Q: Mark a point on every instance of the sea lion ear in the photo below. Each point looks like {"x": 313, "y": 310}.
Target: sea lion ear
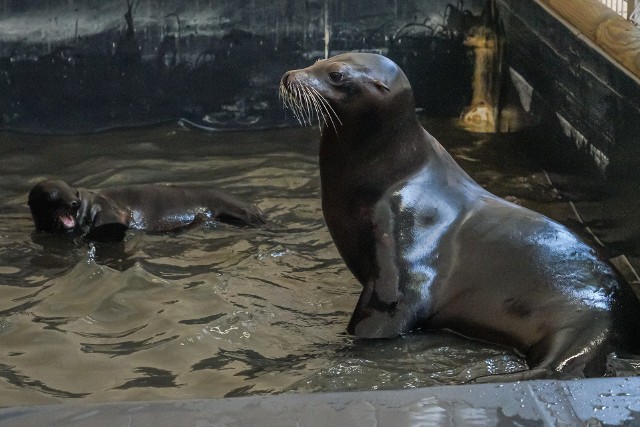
{"x": 381, "y": 85}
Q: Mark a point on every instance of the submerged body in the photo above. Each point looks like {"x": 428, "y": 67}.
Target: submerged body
{"x": 57, "y": 207}
{"x": 433, "y": 249}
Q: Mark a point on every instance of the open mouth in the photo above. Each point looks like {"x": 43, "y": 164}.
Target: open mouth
{"x": 67, "y": 220}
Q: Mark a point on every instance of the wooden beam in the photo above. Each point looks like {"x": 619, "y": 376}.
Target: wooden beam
{"x": 613, "y": 33}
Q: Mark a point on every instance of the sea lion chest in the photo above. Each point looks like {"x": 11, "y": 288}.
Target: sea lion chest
{"x": 393, "y": 239}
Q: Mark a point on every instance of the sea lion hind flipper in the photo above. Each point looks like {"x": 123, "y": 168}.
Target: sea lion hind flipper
{"x": 579, "y": 350}
{"x": 565, "y": 355}
{"x": 240, "y": 214}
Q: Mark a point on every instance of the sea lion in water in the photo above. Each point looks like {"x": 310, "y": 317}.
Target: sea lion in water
{"x": 435, "y": 250}
{"x": 105, "y": 215}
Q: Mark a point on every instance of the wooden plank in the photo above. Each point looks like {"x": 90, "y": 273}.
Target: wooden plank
{"x": 621, "y": 39}
{"x": 611, "y": 32}
{"x": 585, "y": 15}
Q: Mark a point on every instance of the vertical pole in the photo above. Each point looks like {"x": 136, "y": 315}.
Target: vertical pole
{"x": 631, "y": 6}
{"x": 306, "y": 25}
{"x": 326, "y": 29}
{"x": 278, "y": 9}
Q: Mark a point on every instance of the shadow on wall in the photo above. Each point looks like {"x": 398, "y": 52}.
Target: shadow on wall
{"x": 86, "y": 65}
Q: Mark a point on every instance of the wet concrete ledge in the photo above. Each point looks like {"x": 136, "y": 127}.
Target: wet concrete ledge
{"x": 592, "y": 402}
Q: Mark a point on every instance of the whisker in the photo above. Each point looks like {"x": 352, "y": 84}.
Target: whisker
{"x": 285, "y": 96}
{"x": 328, "y": 109}
{"x": 293, "y": 104}
{"x": 305, "y": 102}
{"x": 308, "y": 103}
{"x": 315, "y": 103}
{"x": 301, "y": 106}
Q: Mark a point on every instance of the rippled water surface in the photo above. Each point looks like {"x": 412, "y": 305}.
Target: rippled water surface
{"x": 214, "y": 311}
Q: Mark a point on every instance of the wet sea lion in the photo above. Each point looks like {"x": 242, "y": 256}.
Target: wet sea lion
{"x": 433, "y": 249}
{"x": 105, "y": 215}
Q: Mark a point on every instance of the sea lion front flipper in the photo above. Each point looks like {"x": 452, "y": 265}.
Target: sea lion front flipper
{"x": 112, "y": 232}
{"x": 110, "y": 223}
{"x": 384, "y": 310}
{"x": 374, "y": 317}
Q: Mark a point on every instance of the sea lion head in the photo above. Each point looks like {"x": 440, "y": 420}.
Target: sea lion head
{"x": 54, "y": 205}
{"x": 346, "y": 90}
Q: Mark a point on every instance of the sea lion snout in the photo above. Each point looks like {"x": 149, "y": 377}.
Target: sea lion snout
{"x": 306, "y": 93}
{"x": 284, "y": 81}
{"x": 295, "y": 79}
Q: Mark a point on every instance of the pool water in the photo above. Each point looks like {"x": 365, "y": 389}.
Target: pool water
{"x": 215, "y": 311}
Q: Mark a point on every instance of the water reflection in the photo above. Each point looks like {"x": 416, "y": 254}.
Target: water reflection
{"x": 215, "y": 311}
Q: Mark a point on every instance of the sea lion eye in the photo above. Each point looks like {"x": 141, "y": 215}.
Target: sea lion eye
{"x": 335, "y": 76}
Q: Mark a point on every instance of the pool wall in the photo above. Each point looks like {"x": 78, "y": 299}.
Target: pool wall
{"x": 607, "y": 401}
{"x": 572, "y": 83}
{"x": 84, "y": 65}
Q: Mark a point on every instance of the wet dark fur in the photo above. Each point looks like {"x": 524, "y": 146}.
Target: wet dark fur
{"x": 434, "y": 250}
{"x": 107, "y": 214}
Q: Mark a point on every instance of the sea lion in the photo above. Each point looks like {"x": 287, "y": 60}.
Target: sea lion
{"x": 105, "y": 215}
{"x": 433, "y": 249}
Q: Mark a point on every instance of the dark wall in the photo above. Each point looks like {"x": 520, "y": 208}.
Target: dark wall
{"x": 587, "y": 99}
{"x": 77, "y": 65}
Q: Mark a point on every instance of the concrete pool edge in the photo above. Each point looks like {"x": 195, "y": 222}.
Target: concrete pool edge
{"x": 610, "y": 401}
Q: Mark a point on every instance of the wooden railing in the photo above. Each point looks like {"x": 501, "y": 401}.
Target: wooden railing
{"x": 622, "y": 7}
{"x": 615, "y": 35}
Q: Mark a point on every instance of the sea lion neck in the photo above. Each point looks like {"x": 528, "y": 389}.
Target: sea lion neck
{"x": 373, "y": 162}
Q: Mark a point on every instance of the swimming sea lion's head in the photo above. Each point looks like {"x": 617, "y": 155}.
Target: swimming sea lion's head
{"x": 346, "y": 90}
{"x": 54, "y": 205}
